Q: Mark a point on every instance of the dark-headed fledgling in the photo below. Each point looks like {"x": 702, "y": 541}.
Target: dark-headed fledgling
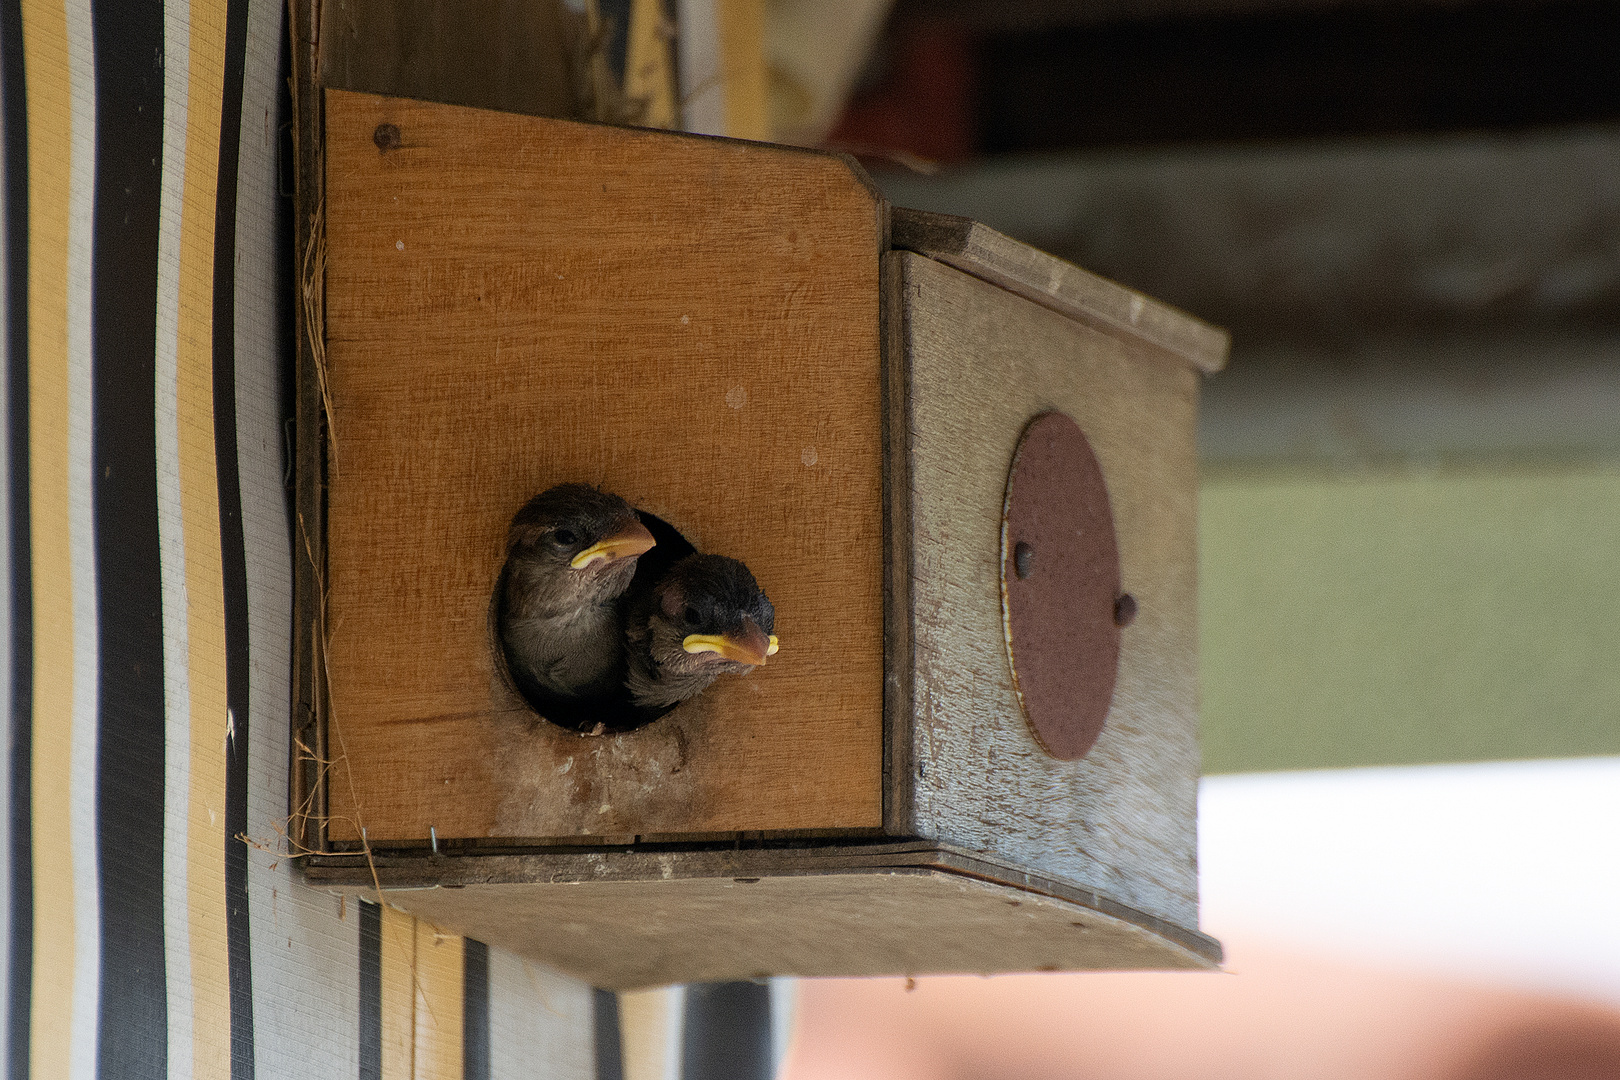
{"x": 570, "y": 554}
{"x": 705, "y": 618}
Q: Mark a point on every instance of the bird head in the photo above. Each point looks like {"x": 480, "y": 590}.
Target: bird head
{"x": 581, "y": 540}
{"x": 709, "y": 617}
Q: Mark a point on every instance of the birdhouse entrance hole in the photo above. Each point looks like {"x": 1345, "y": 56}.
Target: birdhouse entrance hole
{"x": 606, "y": 717}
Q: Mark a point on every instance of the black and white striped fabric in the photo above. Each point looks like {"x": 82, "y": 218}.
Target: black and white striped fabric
{"x": 155, "y": 927}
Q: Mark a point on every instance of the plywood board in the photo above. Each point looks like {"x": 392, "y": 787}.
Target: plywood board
{"x": 980, "y": 362}
{"x": 693, "y": 323}
{"x": 977, "y": 249}
{"x": 644, "y": 918}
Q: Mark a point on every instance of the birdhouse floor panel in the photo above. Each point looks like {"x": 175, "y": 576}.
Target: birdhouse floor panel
{"x": 625, "y": 919}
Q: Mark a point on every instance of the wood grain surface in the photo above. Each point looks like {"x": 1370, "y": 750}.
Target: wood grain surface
{"x": 981, "y": 362}
{"x": 307, "y": 789}
{"x": 693, "y": 323}
{"x": 1060, "y": 285}
{"x": 632, "y": 918}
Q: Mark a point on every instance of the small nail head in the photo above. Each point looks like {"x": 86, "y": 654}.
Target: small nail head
{"x": 1124, "y": 610}
{"x": 1023, "y": 559}
{"x": 386, "y": 137}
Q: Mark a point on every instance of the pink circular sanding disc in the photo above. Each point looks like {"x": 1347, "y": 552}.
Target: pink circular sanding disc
{"x": 1060, "y": 586}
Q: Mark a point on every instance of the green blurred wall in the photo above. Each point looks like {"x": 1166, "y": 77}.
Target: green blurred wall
{"x": 1409, "y": 617}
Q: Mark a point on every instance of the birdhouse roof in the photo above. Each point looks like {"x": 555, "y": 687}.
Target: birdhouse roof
{"x": 1059, "y": 285}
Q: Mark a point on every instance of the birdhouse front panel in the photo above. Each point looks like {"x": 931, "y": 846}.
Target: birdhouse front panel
{"x": 690, "y": 323}
{"x": 982, "y": 365}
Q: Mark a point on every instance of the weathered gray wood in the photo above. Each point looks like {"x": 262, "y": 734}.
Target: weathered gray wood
{"x": 628, "y": 918}
{"x": 1060, "y": 285}
{"x": 897, "y": 561}
{"x": 983, "y": 361}
{"x": 308, "y": 790}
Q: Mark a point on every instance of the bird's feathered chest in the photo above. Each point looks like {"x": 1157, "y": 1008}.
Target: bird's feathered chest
{"x": 569, "y": 641}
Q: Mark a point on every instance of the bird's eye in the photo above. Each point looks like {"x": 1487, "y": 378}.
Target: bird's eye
{"x": 690, "y": 615}
{"x": 565, "y": 537}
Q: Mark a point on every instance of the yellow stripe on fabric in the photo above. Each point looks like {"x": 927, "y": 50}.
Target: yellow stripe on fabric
{"x": 47, "y": 71}
{"x": 650, "y": 1032}
{"x": 398, "y": 998}
{"x": 205, "y": 590}
{"x": 423, "y": 975}
{"x": 440, "y": 965}
{"x": 742, "y": 66}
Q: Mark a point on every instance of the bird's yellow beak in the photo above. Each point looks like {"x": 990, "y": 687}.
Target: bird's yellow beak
{"x": 748, "y": 646}
{"x": 629, "y": 541}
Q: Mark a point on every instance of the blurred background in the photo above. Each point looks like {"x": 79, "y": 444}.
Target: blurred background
{"x": 1407, "y": 212}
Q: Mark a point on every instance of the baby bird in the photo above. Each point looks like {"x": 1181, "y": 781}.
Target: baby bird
{"x": 570, "y": 554}
{"x": 704, "y": 618}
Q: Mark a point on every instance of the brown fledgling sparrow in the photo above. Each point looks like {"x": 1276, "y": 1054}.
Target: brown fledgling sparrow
{"x": 570, "y": 554}
{"x": 704, "y": 618}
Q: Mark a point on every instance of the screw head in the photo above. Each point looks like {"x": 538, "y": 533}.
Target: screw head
{"x": 1023, "y": 560}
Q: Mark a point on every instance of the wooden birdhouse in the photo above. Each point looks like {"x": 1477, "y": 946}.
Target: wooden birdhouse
{"x": 963, "y": 470}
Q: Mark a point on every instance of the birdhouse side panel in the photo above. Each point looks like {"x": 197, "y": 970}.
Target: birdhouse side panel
{"x": 982, "y": 362}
